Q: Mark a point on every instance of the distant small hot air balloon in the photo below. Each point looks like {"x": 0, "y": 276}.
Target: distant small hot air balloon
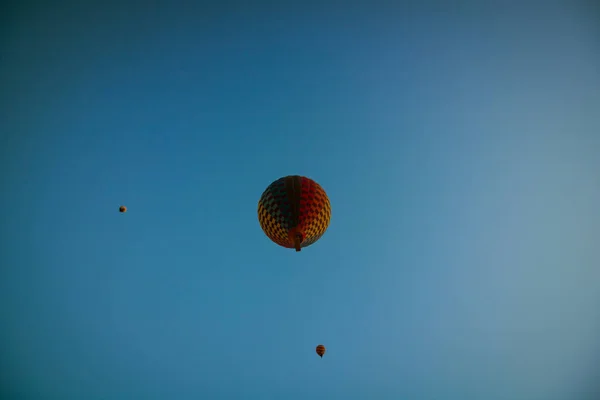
{"x": 294, "y": 212}
{"x": 122, "y": 209}
{"x": 320, "y": 350}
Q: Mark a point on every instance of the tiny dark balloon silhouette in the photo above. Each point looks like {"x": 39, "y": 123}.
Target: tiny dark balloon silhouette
{"x": 122, "y": 209}
{"x": 320, "y": 350}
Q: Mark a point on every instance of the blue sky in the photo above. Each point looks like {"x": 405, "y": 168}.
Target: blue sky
{"x": 460, "y": 149}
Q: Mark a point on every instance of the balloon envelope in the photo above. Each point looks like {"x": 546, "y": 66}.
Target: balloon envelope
{"x": 320, "y": 350}
{"x": 294, "y": 212}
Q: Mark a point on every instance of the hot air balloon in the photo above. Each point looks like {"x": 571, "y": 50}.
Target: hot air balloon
{"x": 122, "y": 209}
{"x": 294, "y": 212}
{"x": 320, "y": 350}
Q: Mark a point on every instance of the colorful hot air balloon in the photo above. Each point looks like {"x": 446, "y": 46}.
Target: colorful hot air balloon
{"x": 122, "y": 209}
{"x": 294, "y": 212}
{"x": 320, "y": 350}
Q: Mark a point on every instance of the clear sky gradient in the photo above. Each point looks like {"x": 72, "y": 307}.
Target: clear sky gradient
{"x": 459, "y": 146}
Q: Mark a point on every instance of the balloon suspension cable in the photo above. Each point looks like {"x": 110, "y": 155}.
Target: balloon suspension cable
{"x": 297, "y": 241}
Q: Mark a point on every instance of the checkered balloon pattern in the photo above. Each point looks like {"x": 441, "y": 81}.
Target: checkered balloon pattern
{"x": 294, "y": 203}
